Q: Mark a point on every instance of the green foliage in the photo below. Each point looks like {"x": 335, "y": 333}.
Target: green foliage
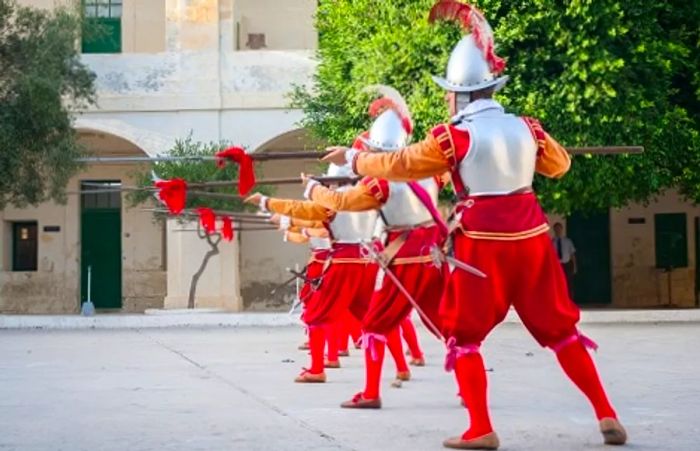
{"x": 595, "y": 72}
{"x": 193, "y": 172}
{"x": 41, "y": 81}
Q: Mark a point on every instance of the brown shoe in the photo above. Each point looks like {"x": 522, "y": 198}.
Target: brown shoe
{"x": 345, "y": 353}
{"x": 613, "y": 432}
{"x": 417, "y": 362}
{"x": 310, "y": 378}
{"x": 488, "y": 441}
{"x": 359, "y": 402}
{"x": 304, "y": 346}
{"x": 403, "y": 376}
{"x": 332, "y": 364}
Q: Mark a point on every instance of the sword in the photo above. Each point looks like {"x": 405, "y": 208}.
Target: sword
{"x": 439, "y": 256}
{"x": 296, "y": 275}
{"x": 374, "y": 255}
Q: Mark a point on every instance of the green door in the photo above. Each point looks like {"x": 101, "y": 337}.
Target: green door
{"x": 697, "y": 262}
{"x": 101, "y": 249}
{"x": 590, "y": 234}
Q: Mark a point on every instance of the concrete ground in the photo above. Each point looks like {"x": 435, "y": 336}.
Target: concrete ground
{"x": 231, "y": 389}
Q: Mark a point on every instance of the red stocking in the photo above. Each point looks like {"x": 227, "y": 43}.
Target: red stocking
{"x": 317, "y": 341}
{"x": 373, "y": 370}
{"x": 471, "y": 379}
{"x": 332, "y": 330}
{"x": 409, "y": 334}
{"x": 578, "y": 365}
{"x": 393, "y": 342}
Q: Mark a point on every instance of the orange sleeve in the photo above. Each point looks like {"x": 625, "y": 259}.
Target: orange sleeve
{"x": 357, "y": 198}
{"x": 417, "y": 161}
{"x": 299, "y": 209}
{"x": 305, "y": 223}
{"x": 295, "y": 237}
{"x": 554, "y": 161}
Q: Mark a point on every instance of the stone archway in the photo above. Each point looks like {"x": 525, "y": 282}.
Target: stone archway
{"x": 141, "y": 244}
{"x": 264, "y": 256}
{"x": 148, "y": 142}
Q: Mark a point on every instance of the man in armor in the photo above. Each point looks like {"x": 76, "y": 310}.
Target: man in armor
{"x": 347, "y": 274}
{"x": 501, "y": 227}
{"x": 315, "y": 235}
{"x": 412, "y": 234}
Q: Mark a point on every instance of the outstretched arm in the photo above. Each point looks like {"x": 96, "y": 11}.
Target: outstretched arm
{"x": 300, "y": 209}
{"x": 362, "y": 197}
{"x": 418, "y": 161}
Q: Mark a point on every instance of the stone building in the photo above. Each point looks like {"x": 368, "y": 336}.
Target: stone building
{"x": 221, "y": 70}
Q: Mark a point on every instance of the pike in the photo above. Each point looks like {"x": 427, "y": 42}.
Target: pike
{"x": 206, "y": 194}
{"x": 231, "y": 183}
{"x": 604, "y": 150}
{"x": 258, "y": 156}
{"x": 244, "y": 229}
{"x": 235, "y": 215}
{"x": 374, "y": 255}
{"x": 315, "y": 155}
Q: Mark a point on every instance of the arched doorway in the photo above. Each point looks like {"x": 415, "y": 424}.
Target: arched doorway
{"x": 122, "y": 264}
{"x": 264, "y": 256}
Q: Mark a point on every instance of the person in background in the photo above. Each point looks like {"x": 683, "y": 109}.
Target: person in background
{"x": 567, "y": 255}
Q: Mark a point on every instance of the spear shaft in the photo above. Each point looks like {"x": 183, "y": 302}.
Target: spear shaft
{"x": 315, "y": 155}
{"x": 259, "y": 156}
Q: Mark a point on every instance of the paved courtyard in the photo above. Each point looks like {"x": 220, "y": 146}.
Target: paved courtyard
{"x": 231, "y": 389}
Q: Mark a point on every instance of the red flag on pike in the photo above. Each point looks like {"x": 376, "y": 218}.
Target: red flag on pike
{"x": 246, "y": 176}
{"x": 227, "y": 228}
{"x": 173, "y": 193}
{"x": 208, "y": 219}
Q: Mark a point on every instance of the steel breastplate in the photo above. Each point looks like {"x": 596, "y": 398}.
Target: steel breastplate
{"x": 501, "y": 157}
{"x": 403, "y": 208}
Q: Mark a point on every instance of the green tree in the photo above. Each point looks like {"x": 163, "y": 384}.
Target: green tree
{"x": 42, "y": 80}
{"x": 595, "y": 72}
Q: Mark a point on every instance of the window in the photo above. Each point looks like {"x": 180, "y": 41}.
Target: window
{"x": 24, "y": 246}
{"x": 670, "y": 232}
{"x": 103, "y": 26}
{"x": 101, "y": 195}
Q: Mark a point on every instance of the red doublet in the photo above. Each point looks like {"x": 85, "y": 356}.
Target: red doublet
{"x": 425, "y": 282}
{"x": 346, "y": 285}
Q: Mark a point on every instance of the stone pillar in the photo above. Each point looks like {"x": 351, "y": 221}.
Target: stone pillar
{"x": 219, "y": 285}
{"x": 192, "y": 25}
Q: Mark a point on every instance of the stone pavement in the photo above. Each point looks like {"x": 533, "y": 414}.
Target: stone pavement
{"x": 231, "y": 389}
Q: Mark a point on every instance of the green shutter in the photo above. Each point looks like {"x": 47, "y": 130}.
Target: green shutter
{"x": 105, "y": 35}
{"x": 671, "y": 235}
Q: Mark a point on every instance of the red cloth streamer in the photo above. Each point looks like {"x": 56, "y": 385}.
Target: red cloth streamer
{"x": 427, "y": 201}
{"x": 472, "y": 20}
{"x": 385, "y": 103}
{"x": 227, "y": 228}
{"x": 173, "y": 193}
{"x": 246, "y": 172}
{"x": 208, "y": 219}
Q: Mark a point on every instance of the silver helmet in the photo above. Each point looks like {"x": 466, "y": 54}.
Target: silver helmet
{"x": 339, "y": 171}
{"x": 473, "y": 63}
{"x": 392, "y": 128}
